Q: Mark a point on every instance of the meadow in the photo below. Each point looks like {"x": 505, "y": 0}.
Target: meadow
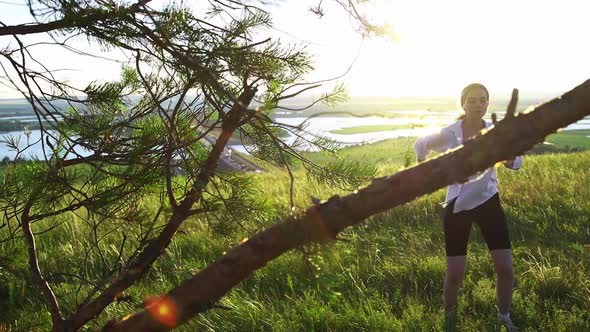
{"x": 383, "y": 275}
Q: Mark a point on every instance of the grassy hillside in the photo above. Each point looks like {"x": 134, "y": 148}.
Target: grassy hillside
{"x": 385, "y": 275}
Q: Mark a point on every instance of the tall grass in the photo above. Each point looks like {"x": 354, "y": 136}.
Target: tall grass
{"x": 384, "y": 275}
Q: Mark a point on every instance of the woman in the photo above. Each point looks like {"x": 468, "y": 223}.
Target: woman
{"x": 474, "y": 201}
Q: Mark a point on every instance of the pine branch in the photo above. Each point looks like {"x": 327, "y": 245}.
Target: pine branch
{"x": 153, "y": 250}
{"x": 89, "y": 17}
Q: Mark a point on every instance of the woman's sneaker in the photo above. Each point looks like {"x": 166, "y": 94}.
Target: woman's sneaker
{"x": 507, "y": 322}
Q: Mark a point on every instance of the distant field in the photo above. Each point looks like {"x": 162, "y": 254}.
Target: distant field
{"x": 12, "y": 108}
{"x": 369, "y": 129}
{"x": 384, "y": 105}
{"x": 8, "y": 126}
{"x": 360, "y": 105}
{"x": 571, "y": 138}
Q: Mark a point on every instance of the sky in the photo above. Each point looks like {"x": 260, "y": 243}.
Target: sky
{"x": 538, "y": 46}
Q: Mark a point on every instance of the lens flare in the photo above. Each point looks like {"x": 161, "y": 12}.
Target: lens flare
{"x": 163, "y": 309}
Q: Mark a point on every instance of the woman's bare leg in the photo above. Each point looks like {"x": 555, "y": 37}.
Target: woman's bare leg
{"x": 504, "y": 278}
{"x": 453, "y": 281}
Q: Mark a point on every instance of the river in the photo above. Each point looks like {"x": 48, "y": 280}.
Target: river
{"x": 428, "y": 122}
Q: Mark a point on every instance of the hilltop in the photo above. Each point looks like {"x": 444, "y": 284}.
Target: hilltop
{"x": 384, "y": 275}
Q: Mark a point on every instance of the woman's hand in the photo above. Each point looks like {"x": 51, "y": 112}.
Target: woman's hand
{"x": 509, "y": 163}
{"x": 514, "y": 164}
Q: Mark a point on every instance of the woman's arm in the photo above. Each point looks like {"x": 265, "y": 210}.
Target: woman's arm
{"x": 437, "y": 142}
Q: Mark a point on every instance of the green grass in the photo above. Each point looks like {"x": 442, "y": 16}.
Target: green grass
{"x": 385, "y": 275}
{"x": 571, "y": 139}
{"x": 388, "y": 155}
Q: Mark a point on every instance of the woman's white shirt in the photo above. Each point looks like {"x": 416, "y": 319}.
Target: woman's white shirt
{"x": 479, "y": 187}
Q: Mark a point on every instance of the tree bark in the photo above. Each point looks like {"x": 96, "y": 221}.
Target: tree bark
{"x": 507, "y": 139}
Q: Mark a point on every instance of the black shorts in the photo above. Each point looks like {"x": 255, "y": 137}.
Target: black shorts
{"x": 490, "y": 218}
